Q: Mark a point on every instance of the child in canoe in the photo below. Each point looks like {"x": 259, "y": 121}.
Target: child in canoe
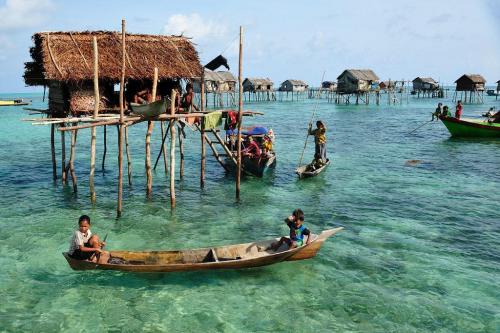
{"x": 84, "y": 244}
{"x": 297, "y": 231}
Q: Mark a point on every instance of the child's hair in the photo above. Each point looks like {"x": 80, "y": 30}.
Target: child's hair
{"x": 319, "y": 123}
{"x": 84, "y": 218}
{"x": 299, "y": 214}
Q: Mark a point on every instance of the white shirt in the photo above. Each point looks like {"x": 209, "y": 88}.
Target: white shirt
{"x": 78, "y": 240}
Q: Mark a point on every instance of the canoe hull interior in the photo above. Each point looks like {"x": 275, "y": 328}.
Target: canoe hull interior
{"x": 303, "y": 173}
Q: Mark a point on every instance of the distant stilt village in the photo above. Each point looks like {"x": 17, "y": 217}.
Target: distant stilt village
{"x": 95, "y": 77}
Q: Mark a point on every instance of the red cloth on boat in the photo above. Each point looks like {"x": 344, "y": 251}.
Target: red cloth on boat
{"x": 252, "y": 149}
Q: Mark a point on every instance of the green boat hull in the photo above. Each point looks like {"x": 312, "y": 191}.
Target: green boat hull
{"x": 471, "y": 128}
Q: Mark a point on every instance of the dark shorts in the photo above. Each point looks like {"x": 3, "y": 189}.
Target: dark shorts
{"x": 80, "y": 255}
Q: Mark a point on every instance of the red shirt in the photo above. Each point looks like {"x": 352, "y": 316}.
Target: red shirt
{"x": 458, "y": 112}
{"x": 253, "y": 148}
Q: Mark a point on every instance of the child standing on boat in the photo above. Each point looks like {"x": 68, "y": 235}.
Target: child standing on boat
{"x": 319, "y": 139}
{"x": 297, "y": 231}
{"x": 458, "y": 110}
{"x": 84, "y": 244}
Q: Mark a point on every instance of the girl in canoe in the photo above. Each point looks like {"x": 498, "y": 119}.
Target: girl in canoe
{"x": 297, "y": 231}
{"x": 319, "y": 139}
{"x": 84, "y": 244}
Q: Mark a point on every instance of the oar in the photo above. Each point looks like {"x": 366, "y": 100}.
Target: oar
{"x": 312, "y": 117}
{"x": 421, "y": 126}
{"x": 98, "y": 256}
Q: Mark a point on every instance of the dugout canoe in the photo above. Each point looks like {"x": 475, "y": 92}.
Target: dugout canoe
{"x": 149, "y": 110}
{"x": 302, "y": 171}
{"x": 472, "y": 128}
{"x": 13, "y": 102}
{"x": 236, "y": 256}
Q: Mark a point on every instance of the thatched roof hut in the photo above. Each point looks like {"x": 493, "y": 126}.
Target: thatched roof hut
{"x": 356, "y": 80}
{"x": 293, "y": 85}
{"x": 470, "y": 82}
{"x": 424, "y": 83}
{"x": 329, "y": 85}
{"x": 63, "y": 61}
{"x": 257, "y": 84}
{"x": 220, "y": 81}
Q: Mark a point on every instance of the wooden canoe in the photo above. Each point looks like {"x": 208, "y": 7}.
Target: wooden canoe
{"x": 472, "y": 128}
{"x": 236, "y": 256}
{"x": 13, "y": 102}
{"x": 149, "y": 110}
{"x": 303, "y": 173}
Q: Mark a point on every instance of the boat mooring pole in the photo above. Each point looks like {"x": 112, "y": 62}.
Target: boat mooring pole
{"x": 240, "y": 116}
{"x": 120, "y": 131}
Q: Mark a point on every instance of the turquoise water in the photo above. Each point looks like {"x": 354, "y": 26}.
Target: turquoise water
{"x": 420, "y": 251}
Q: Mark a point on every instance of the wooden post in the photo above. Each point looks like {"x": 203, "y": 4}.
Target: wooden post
{"x": 72, "y": 160}
{"x": 202, "y": 132}
{"x": 129, "y": 158}
{"x": 93, "y": 129}
{"x": 163, "y": 148}
{"x": 149, "y": 174}
{"x": 181, "y": 152}
{"x": 64, "y": 175}
{"x": 105, "y": 149}
{"x": 172, "y": 150}
{"x": 240, "y": 116}
{"x": 120, "y": 139}
{"x": 53, "y": 152}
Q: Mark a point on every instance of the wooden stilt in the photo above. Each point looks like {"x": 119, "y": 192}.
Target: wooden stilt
{"x": 120, "y": 139}
{"x": 93, "y": 129}
{"x": 72, "y": 160}
{"x": 53, "y": 152}
{"x": 240, "y": 116}
{"x": 129, "y": 158}
{"x": 64, "y": 175}
{"x": 181, "y": 152}
{"x": 202, "y": 133}
{"x": 172, "y": 150}
{"x": 105, "y": 148}
{"x": 149, "y": 174}
{"x": 163, "y": 149}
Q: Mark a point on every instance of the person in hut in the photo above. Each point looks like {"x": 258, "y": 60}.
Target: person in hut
{"x": 439, "y": 111}
{"x": 297, "y": 231}
{"x": 84, "y": 245}
{"x": 252, "y": 148}
{"x": 319, "y": 139}
{"x": 458, "y": 110}
{"x": 187, "y": 101}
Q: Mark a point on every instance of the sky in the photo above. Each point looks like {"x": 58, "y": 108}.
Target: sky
{"x": 283, "y": 39}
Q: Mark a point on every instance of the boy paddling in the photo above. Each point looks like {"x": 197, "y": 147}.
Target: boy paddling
{"x": 84, "y": 244}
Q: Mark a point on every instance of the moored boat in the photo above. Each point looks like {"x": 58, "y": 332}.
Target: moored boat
{"x": 149, "y": 110}
{"x": 236, "y": 256}
{"x": 14, "y": 102}
{"x": 473, "y": 128}
{"x": 305, "y": 172}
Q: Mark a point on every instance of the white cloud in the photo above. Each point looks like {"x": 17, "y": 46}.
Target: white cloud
{"x": 18, "y": 14}
{"x": 194, "y": 26}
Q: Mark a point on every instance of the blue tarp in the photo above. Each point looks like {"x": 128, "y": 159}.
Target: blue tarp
{"x": 255, "y": 130}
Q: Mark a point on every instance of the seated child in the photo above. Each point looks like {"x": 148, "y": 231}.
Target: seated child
{"x": 316, "y": 163}
{"x": 83, "y": 244}
{"x": 297, "y": 231}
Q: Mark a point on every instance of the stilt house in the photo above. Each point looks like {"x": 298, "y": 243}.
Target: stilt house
{"x": 353, "y": 81}
{"x": 218, "y": 82}
{"x": 257, "y": 85}
{"x": 63, "y": 62}
{"x": 470, "y": 82}
{"x": 294, "y": 85}
{"x": 424, "y": 84}
{"x": 329, "y": 85}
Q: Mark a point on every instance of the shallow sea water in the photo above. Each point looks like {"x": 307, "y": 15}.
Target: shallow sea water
{"x": 420, "y": 251}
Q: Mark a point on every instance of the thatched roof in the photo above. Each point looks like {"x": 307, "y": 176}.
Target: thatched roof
{"x": 361, "y": 74}
{"x": 476, "y": 78}
{"x": 226, "y": 76}
{"x": 260, "y": 81}
{"x": 425, "y": 79}
{"x": 68, "y": 56}
{"x": 296, "y": 82}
